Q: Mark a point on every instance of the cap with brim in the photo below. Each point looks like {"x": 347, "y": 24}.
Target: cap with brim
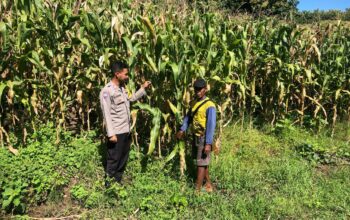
{"x": 199, "y": 83}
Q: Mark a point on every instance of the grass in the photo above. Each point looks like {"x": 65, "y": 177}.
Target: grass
{"x": 258, "y": 175}
{"x": 272, "y": 180}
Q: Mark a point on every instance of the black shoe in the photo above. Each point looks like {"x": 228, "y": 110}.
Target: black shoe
{"x": 107, "y": 184}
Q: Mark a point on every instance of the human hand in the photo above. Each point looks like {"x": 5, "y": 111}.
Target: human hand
{"x": 179, "y": 134}
{"x": 113, "y": 139}
{"x": 146, "y": 84}
{"x": 207, "y": 149}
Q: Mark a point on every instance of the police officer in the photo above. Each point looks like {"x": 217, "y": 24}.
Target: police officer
{"x": 202, "y": 116}
{"x": 115, "y": 105}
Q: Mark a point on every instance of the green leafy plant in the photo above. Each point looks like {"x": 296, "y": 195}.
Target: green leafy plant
{"x": 79, "y": 193}
{"x": 41, "y": 167}
{"x": 315, "y": 153}
{"x": 179, "y": 201}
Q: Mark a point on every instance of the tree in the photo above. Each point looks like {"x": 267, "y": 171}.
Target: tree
{"x": 267, "y": 7}
{"x": 346, "y": 15}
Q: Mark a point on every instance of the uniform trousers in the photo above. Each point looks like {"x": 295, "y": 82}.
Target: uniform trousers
{"x": 117, "y": 156}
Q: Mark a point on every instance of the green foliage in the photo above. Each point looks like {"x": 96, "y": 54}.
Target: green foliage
{"x": 256, "y": 175}
{"x": 318, "y": 149}
{"x": 13, "y": 195}
{"x": 116, "y": 191}
{"x": 179, "y": 201}
{"x": 263, "y": 67}
{"x": 282, "y": 126}
{"x": 316, "y": 16}
{"x": 258, "y": 7}
{"x": 54, "y": 59}
{"x": 265, "y": 177}
{"x": 346, "y": 16}
{"x": 93, "y": 200}
{"x": 79, "y": 193}
{"x": 146, "y": 203}
{"x": 315, "y": 153}
{"x": 41, "y": 167}
{"x": 95, "y": 195}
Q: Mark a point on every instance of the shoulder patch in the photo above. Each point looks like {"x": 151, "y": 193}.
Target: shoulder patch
{"x": 105, "y": 95}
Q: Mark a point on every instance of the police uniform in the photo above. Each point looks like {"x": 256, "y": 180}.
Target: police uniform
{"x": 115, "y": 106}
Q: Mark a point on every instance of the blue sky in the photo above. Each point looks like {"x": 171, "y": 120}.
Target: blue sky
{"x": 323, "y": 4}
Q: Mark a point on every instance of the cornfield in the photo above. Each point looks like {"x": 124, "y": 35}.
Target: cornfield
{"x": 55, "y": 58}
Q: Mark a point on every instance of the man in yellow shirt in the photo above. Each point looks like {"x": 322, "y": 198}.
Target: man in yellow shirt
{"x": 202, "y": 116}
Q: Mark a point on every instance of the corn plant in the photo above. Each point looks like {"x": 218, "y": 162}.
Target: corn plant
{"x": 54, "y": 59}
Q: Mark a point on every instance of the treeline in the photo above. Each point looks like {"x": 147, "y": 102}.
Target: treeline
{"x": 285, "y": 9}
{"x": 256, "y": 8}
{"x": 317, "y": 16}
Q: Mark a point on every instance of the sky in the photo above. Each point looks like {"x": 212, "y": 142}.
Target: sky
{"x": 323, "y": 4}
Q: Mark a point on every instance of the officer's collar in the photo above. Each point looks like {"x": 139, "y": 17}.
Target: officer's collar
{"x": 115, "y": 86}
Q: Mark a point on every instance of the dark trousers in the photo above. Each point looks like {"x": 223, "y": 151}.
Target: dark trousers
{"x": 117, "y": 156}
